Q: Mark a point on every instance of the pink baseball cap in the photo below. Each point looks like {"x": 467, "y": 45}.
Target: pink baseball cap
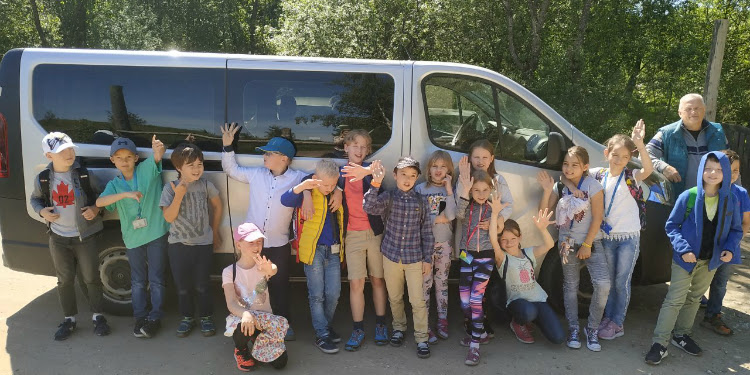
{"x": 248, "y": 232}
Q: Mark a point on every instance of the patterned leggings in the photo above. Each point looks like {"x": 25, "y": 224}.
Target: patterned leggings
{"x": 471, "y": 286}
{"x": 441, "y": 264}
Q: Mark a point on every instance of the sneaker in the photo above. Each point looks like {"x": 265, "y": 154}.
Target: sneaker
{"x": 472, "y": 358}
{"x": 656, "y": 354}
{"x": 488, "y": 328}
{"x": 381, "y": 334}
{"x": 290, "y": 336}
{"x": 186, "y": 325}
{"x": 522, "y": 332}
{"x": 280, "y": 363}
{"x": 397, "y": 338}
{"x": 442, "y": 328}
{"x": 355, "y": 340}
{"x": 611, "y": 331}
{"x": 207, "y": 326}
{"x": 101, "y": 328}
{"x": 687, "y": 344}
{"x": 65, "y": 329}
{"x": 423, "y": 350}
{"x": 717, "y": 325}
{"x": 703, "y": 303}
{"x": 150, "y": 328}
{"x": 335, "y": 338}
{"x": 466, "y": 341}
{"x": 326, "y": 345}
{"x": 244, "y": 360}
{"x": 592, "y": 339}
{"x": 139, "y": 323}
{"x": 603, "y": 324}
{"x": 431, "y": 338}
{"x": 573, "y": 341}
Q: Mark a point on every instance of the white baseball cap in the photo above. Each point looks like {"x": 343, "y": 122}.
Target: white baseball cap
{"x": 56, "y": 141}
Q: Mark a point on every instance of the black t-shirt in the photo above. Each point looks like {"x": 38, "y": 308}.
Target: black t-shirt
{"x": 707, "y": 238}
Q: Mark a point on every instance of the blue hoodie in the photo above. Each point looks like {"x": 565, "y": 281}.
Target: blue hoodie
{"x": 685, "y": 232}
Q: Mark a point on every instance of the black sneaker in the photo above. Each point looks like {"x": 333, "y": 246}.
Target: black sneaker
{"x": 139, "y": 323}
{"x": 101, "y": 328}
{"x": 150, "y": 328}
{"x": 280, "y": 363}
{"x": 326, "y": 345}
{"x": 335, "y": 338}
{"x": 687, "y": 344}
{"x": 65, "y": 329}
{"x": 488, "y": 328}
{"x": 397, "y": 338}
{"x": 423, "y": 350}
{"x": 656, "y": 354}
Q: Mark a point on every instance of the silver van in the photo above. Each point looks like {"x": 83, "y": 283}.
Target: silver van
{"x": 408, "y": 107}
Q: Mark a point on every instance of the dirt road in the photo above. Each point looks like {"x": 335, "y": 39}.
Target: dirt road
{"x": 30, "y": 310}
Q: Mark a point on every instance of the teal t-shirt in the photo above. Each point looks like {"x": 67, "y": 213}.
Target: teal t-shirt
{"x": 147, "y": 180}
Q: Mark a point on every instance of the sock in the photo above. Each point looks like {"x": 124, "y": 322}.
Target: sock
{"x": 72, "y": 318}
{"x": 484, "y": 335}
{"x": 474, "y": 345}
{"x": 360, "y": 325}
{"x": 95, "y": 315}
{"x": 380, "y": 319}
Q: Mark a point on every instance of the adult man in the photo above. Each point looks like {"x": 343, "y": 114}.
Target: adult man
{"x": 676, "y": 149}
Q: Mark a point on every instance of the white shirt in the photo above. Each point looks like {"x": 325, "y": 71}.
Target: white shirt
{"x": 265, "y": 209}
{"x": 624, "y": 215}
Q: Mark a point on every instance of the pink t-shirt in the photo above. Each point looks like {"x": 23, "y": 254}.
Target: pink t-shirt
{"x": 354, "y": 203}
{"x": 244, "y": 284}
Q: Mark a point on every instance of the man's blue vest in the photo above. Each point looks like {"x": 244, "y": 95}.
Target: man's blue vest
{"x": 675, "y": 150}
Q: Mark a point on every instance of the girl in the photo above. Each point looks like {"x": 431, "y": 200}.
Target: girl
{"x": 579, "y": 240}
{"x": 442, "y": 209}
{"x": 477, "y": 256}
{"x": 527, "y": 301}
{"x": 193, "y": 235}
{"x": 245, "y": 285}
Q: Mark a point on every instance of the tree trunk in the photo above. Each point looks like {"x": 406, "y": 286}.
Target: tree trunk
{"x": 575, "y": 51}
{"x": 38, "y": 23}
{"x": 252, "y": 25}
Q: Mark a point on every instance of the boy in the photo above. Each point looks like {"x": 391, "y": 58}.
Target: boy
{"x": 135, "y": 193}
{"x": 407, "y": 246}
{"x": 712, "y": 319}
{"x": 267, "y": 183}
{"x": 703, "y": 237}
{"x": 364, "y": 233}
{"x": 63, "y": 196}
{"x": 320, "y": 247}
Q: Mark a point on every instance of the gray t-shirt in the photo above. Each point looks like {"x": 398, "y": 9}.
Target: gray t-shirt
{"x": 520, "y": 282}
{"x": 438, "y": 202}
{"x": 582, "y": 221}
{"x": 64, "y": 200}
{"x": 193, "y": 223}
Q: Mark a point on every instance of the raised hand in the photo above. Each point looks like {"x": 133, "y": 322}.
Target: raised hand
{"x": 545, "y": 180}
{"x": 639, "y": 132}
{"x": 464, "y": 167}
{"x": 227, "y": 133}
{"x": 355, "y": 172}
{"x": 543, "y": 220}
{"x": 448, "y": 184}
{"x": 378, "y": 171}
{"x": 265, "y": 266}
{"x": 158, "y": 147}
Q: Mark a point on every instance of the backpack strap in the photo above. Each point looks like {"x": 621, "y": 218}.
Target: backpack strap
{"x": 505, "y": 265}
{"x": 85, "y": 181}
{"x": 44, "y": 186}
{"x": 692, "y": 194}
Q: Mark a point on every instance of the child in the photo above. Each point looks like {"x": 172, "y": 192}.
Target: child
{"x": 712, "y": 320}
{"x": 364, "y": 234}
{"x": 527, "y": 301}
{"x": 73, "y": 222}
{"x": 477, "y": 256}
{"x": 579, "y": 240}
{"x": 407, "y": 246}
{"x": 267, "y": 183}
{"x": 135, "y": 194}
{"x": 246, "y": 292}
{"x": 703, "y": 237}
{"x": 320, "y": 248}
{"x": 193, "y": 235}
{"x": 438, "y": 189}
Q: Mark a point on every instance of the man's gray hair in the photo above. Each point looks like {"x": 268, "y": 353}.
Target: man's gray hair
{"x": 326, "y": 168}
{"x": 690, "y": 97}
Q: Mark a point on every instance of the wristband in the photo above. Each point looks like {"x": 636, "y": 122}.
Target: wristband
{"x": 375, "y": 184}
{"x": 228, "y": 148}
{"x": 585, "y": 244}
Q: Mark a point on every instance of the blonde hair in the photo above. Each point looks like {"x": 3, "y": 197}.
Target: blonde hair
{"x": 326, "y": 168}
{"x": 354, "y": 133}
{"x": 434, "y": 158}
{"x": 622, "y": 139}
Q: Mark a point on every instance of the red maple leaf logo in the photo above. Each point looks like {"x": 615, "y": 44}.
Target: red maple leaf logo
{"x": 63, "y": 195}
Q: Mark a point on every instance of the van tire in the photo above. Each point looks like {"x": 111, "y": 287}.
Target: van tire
{"x": 114, "y": 270}
{"x": 551, "y": 280}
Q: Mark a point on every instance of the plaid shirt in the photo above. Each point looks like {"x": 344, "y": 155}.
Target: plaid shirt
{"x": 408, "y": 231}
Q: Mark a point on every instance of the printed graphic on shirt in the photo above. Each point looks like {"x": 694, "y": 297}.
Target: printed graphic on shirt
{"x": 436, "y": 204}
{"x": 63, "y": 195}
{"x": 193, "y": 216}
{"x": 525, "y": 275}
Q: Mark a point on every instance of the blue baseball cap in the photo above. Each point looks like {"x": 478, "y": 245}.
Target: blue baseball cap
{"x": 280, "y": 144}
{"x": 121, "y": 143}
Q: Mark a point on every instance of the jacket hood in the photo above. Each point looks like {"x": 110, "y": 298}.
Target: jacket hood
{"x": 726, "y": 170}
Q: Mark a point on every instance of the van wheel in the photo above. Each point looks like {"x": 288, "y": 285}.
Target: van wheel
{"x": 551, "y": 280}
{"x": 114, "y": 270}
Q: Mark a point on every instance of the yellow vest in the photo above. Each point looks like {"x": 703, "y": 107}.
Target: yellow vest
{"x": 308, "y": 231}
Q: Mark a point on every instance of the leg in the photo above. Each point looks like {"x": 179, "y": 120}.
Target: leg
{"x": 315, "y": 288}
{"x": 571, "y": 278}
{"x": 427, "y": 286}
{"x": 156, "y": 251}
{"x": 523, "y": 311}
{"x": 356, "y": 264}
{"x": 701, "y": 279}
{"x": 204, "y": 261}
{"x": 610, "y": 248}
{"x": 627, "y": 256}
{"x": 482, "y": 272}
{"x": 181, "y": 260}
{"x": 239, "y": 338}
{"x": 718, "y": 289}
{"x": 414, "y": 281}
{"x": 679, "y": 286}
{"x": 394, "y": 280}
{"x": 597, "y": 266}
{"x": 138, "y": 280}
{"x": 375, "y": 270}
{"x": 278, "y": 286}
{"x": 332, "y": 285}
{"x": 65, "y": 269}
{"x": 269, "y": 344}
{"x": 87, "y": 254}
{"x": 465, "y": 280}
{"x": 548, "y": 323}
{"x": 442, "y": 265}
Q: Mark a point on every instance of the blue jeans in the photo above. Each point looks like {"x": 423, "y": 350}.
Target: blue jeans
{"x": 541, "y": 314}
{"x": 621, "y": 258}
{"x": 147, "y": 265}
{"x": 597, "y": 266}
{"x": 718, "y": 289}
{"x": 323, "y": 288}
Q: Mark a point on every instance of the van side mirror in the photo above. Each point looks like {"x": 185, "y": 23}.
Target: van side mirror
{"x": 555, "y": 149}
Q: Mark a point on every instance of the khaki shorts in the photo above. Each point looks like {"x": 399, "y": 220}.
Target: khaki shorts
{"x": 363, "y": 254}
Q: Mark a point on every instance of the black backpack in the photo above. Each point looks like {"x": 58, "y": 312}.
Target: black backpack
{"x": 83, "y": 178}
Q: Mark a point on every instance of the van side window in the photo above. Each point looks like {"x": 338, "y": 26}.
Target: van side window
{"x": 461, "y": 110}
{"x": 94, "y": 103}
{"x": 315, "y": 109}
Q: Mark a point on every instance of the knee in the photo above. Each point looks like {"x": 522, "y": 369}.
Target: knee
{"x": 315, "y": 299}
{"x": 557, "y": 337}
{"x": 358, "y": 286}
{"x": 377, "y": 282}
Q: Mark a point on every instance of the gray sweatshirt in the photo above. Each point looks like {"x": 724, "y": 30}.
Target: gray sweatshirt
{"x": 439, "y": 203}
{"x": 469, "y": 212}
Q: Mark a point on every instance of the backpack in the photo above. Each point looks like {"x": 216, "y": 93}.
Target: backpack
{"x": 83, "y": 179}
{"x": 692, "y": 194}
{"x": 635, "y": 191}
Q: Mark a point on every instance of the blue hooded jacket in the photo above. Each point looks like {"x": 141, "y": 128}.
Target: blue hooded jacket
{"x": 685, "y": 232}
